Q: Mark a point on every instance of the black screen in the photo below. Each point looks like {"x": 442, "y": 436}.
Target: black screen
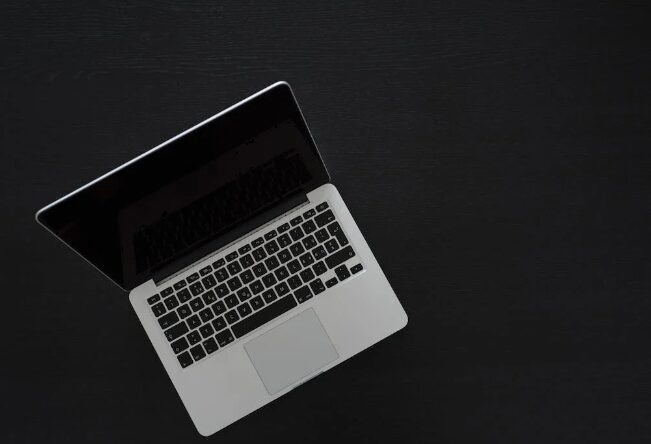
{"x": 198, "y": 191}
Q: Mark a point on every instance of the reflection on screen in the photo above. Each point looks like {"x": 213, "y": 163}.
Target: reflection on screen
{"x": 192, "y": 196}
{"x": 218, "y": 211}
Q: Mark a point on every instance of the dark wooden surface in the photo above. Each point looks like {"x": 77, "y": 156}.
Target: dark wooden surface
{"x": 495, "y": 154}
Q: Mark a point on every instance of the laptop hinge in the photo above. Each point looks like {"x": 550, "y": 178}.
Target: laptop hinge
{"x": 256, "y": 223}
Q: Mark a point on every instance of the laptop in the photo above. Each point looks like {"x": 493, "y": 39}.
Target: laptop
{"x": 241, "y": 259}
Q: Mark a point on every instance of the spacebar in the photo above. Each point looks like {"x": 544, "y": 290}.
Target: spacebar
{"x": 263, "y": 316}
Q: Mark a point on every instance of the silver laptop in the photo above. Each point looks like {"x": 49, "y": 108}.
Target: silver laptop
{"x": 242, "y": 261}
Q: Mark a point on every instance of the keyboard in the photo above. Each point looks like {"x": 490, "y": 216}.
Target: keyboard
{"x": 242, "y": 289}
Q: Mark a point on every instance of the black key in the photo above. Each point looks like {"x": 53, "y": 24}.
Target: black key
{"x": 269, "y": 280}
{"x": 196, "y": 304}
{"x": 256, "y": 287}
{"x": 171, "y": 302}
{"x": 342, "y": 272}
{"x": 281, "y": 273}
{"x": 152, "y": 299}
{"x": 168, "y": 291}
{"x": 269, "y": 296}
{"x": 296, "y": 233}
{"x": 317, "y": 286}
{"x": 263, "y": 316}
{"x": 184, "y": 295}
{"x": 176, "y": 331}
{"x": 331, "y": 245}
{"x": 206, "y": 314}
{"x": 319, "y": 252}
{"x": 179, "y": 345}
{"x": 309, "y": 227}
{"x": 284, "y": 227}
{"x": 231, "y": 316}
{"x": 196, "y": 288}
{"x": 168, "y": 320}
{"x": 218, "y": 263}
{"x": 303, "y": 294}
{"x": 243, "y": 294}
{"x": 322, "y": 206}
{"x": 180, "y": 284}
{"x": 244, "y": 249}
{"x": 306, "y": 260}
{"x": 259, "y": 254}
{"x": 294, "y": 266}
{"x": 246, "y": 261}
{"x": 247, "y": 277}
{"x": 259, "y": 270}
{"x": 331, "y": 282}
{"x": 284, "y": 240}
{"x": 193, "y": 337}
{"x": 309, "y": 242}
{"x": 319, "y": 268}
{"x": 340, "y": 256}
{"x": 184, "y": 311}
{"x": 219, "y": 323}
{"x": 205, "y": 270}
{"x": 224, "y": 337}
{"x": 294, "y": 282}
{"x": 218, "y": 307}
{"x": 184, "y": 359}
{"x": 297, "y": 249}
{"x": 282, "y": 289}
{"x": 221, "y": 290}
{"x": 271, "y": 247}
{"x": 193, "y": 277}
{"x": 206, "y": 330}
{"x": 257, "y": 242}
{"x": 297, "y": 220}
{"x": 158, "y": 309}
{"x": 307, "y": 275}
{"x": 322, "y": 235}
{"x": 231, "y": 301}
{"x": 324, "y": 218}
{"x": 197, "y": 352}
{"x": 356, "y": 268}
{"x": 257, "y": 303}
{"x": 221, "y": 275}
{"x": 231, "y": 256}
{"x": 210, "y": 345}
{"x": 270, "y": 235}
{"x": 234, "y": 268}
{"x": 244, "y": 309}
{"x": 234, "y": 283}
{"x": 335, "y": 229}
{"x": 209, "y": 282}
{"x": 284, "y": 255}
{"x": 309, "y": 213}
{"x": 194, "y": 321}
{"x": 271, "y": 262}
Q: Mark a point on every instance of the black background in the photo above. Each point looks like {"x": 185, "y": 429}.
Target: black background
{"x": 495, "y": 154}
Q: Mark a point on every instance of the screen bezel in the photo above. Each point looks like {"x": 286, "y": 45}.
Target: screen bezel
{"x": 235, "y": 124}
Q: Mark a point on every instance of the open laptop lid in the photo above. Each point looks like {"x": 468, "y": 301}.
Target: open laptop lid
{"x": 200, "y": 190}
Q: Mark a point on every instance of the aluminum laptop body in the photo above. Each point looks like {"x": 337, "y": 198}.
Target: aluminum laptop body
{"x": 242, "y": 261}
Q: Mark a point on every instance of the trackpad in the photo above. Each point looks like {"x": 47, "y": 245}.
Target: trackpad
{"x": 291, "y": 351}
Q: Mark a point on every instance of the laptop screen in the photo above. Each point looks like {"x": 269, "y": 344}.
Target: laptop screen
{"x": 177, "y": 203}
